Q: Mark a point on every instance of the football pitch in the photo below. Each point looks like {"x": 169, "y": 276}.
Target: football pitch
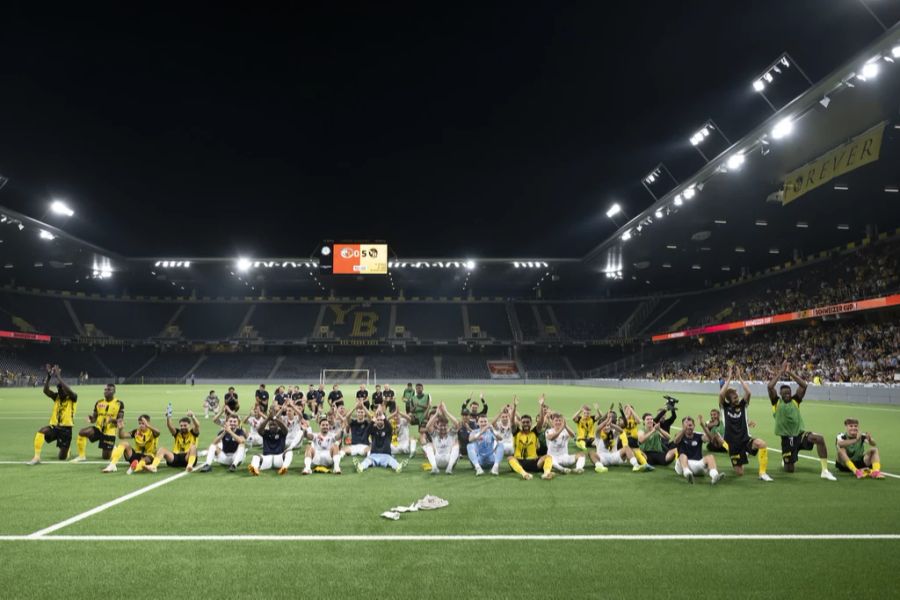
{"x": 69, "y": 529}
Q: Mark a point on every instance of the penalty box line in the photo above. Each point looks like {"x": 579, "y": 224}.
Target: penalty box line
{"x": 89, "y": 513}
{"x": 457, "y": 538}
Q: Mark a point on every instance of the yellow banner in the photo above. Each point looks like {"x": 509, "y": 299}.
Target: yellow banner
{"x": 859, "y": 151}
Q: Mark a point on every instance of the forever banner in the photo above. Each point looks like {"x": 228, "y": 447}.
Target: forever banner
{"x": 859, "y": 151}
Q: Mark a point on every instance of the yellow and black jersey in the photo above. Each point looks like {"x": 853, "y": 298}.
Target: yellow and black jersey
{"x": 145, "y": 442}
{"x": 631, "y": 428}
{"x": 106, "y": 413}
{"x": 526, "y": 445}
{"x": 184, "y": 441}
{"x": 609, "y": 438}
{"x": 585, "y": 427}
{"x": 63, "y": 414}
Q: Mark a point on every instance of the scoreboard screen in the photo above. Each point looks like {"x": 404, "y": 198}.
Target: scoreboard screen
{"x": 359, "y": 259}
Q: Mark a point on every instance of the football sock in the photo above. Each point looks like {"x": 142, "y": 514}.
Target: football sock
{"x": 429, "y": 454}
{"x": 824, "y": 463}
{"x": 140, "y": 466}
{"x": 307, "y": 462}
{"x": 156, "y": 460}
{"x": 81, "y": 444}
{"x": 117, "y": 453}
{"x": 579, "y": 462}
{"x": 713, "y": 473}
{"x": 337, "y": 461}
{"x": 38, "y": 443}
{"x": 876, "y": 466}
{"x": 763, "y": 460}
{"x": 454, "y": 456}
{"x": 191, "y": 460}
{"x": 641, "y": 457}
{"x": 289, "y": 458}
{"x": 633, "y": 461}
{"x": 548, "y": 464}
{"x": 849, "y": 464}
{"x": 514, "y": 463}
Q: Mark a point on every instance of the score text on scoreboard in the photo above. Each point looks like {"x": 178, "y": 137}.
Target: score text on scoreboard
{"x": 360, "y": 259}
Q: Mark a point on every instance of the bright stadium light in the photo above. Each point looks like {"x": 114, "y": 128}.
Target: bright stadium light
{"x": 326, "y": 250}
{"x": 243, "y": 264}
{"x": 626, "y": 236}
{"x": 46, "y": 235}
{"x": 758, "y": 85}
{"x": 470, "y": 264}
{"x": 735, "y": 161}
{"x": 613, "y": 210}
{"x": 678, "y": 201}
{"x": 783, "y": 128}
{"x": 658, "y": 214}
{"x": 61, "y": 208}
{"x": 869, "y": 71}
{"x": 895, "y": 51}
{"x": 690, "y": 192}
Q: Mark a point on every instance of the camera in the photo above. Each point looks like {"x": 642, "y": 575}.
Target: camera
{"x": 670, "y": 402}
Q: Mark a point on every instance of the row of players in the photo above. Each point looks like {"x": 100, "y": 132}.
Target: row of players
{"x": 534, "y": 447}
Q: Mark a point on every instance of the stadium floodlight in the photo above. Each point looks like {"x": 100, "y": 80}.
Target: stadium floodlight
{"x": 20, "y": 226}
{"x": 516, "y": 264}
{"x": 735, "y": 161}
{"x": 326, "y": 250}
{"x": 690, "y": 192}
{"x": 783, "y": 128}
{"x": 895, "y": 51}
{"x": 869, "y": 71}
{"x": 626, "y": 236}
{"x": 779, "y": 67}
{"x": 46, "y": 235}
{"x": 470, "y": 264}
{"x": 678, "y": 201}
{"x": 659, "y": 213}
{"x": 613, "y": 210}
{"x": 758, "y": 85}
{"x": 702, "y": 134}
{"x": 243, "y": 264}
{"x": 61, "y": 208}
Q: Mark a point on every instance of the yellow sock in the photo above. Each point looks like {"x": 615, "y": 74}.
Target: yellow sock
{"x": 849, "y": 464}
{"x": 725, "y": 445}
{"x": 191, "y": 461}
{"x": 763, "y": 460}
{"x": 548, "y": 464}
{"x": 640, "y": 456}
{"x": 81, "y": 444}
{"x": 140, "y": 466}
{"x": 38, "y": 443}
{"x": 876, "y": 466}
{"x": 117, "y": 453}
{"x": 514, "y": 463}
{"x": 156, "y": 460}
{"x": 824, "y": 463}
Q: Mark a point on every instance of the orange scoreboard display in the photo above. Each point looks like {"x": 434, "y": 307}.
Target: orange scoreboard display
{"x": 360, "y": 259}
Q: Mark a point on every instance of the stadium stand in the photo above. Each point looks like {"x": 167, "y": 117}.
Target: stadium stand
{"x": 466, "y": 366}
{"x": 438, "y": 321}
{"x": 308, "y": 366}
{"x": 395, "y": 365}
{"x": 124, "y": 320}
{"x": 491, "y": 319}
{"x": 527, "y": 322}
{"x": 211, "y": 321}
{"x": 40, "y": 314}
{"x": 123, "y": 361}
{"x": 546, "y": 366}
{"x": 168, "y": 365}
{"x": 591, "y": 320}
{"x": 284, "y": 321}
{"x": 356, "y": 320}
{"x": 236, "y": 365}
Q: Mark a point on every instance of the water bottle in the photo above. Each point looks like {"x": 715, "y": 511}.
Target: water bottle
{"x": 169, "y": 410}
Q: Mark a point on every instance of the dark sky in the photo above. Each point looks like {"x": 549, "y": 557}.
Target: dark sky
{"x": 489, "y": 129}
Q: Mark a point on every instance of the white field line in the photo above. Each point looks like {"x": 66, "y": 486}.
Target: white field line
{"x": 55, "y": 462}
{"x": 89, "y": 513}
{"x": 457, "y": 538}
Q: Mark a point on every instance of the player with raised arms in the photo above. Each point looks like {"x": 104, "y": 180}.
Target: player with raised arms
{"x": 691, "y": 461}
{"x": 184, "y": 449}
{"x": 558, "y": 436}
{"x": 62, "y": 419}
{"x": 275, "y": 454}
{"x": 737, "y": 427}
{"x": 325, "y": 449}
{"x": 442, "y": 450}
{"x": 228, "y": 447}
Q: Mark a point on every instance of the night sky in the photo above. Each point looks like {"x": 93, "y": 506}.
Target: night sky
{"x": 501, "y": 129}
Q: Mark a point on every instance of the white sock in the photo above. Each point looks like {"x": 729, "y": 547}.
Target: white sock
{"x": 307, "y": 463}
{"x": 255, "y": 462}
{"x": 337, "y": 461}
{"x": 412, "y": 447}
{"x": 713, "y": 473}
{"x": 633, "y": 461}
{"x": 210, "y": 455}
{"x": 454, "y": 457}
{"x": 239, "y": 455}
{"x": 687, "y": 472}
{"x": 429, "y": 454}
{"x": 579, "y": 462}
{"x": 288, "y": 459}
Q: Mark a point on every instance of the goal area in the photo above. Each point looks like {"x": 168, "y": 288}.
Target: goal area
{"x": 328, "y": 377}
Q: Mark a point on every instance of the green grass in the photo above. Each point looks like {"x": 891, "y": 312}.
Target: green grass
{"x": 619, "y": 502}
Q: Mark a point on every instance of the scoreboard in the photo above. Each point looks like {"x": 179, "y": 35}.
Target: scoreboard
{"x": 354, "y": 259}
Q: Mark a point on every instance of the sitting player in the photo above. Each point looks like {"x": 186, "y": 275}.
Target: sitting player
{"x": 654, "y": 442}
{"x": 62, "y": 419}
{"x": 357, "y": 426}
{"x": 608, "y": 451}
{"x": 145, "y": 439}
{"x": 184, "y": 450}
{"x": 401, "y": 441}
{"x": 442, "y": 450}
{"x": 274, "y": 447}
{"x": 715, "y": 438}
{"x": 325, "y": 450}
{"x": 503, "y": 426}
{"x": 789, "y": 422}
{"x": 210, "y": 404}
{"x": 525, "y": 459}
{"x": 106, "y": 414}
{"x": 558, "y": 437}
{"x": 852, "y": 454}
{"x": 380, "y": 432}
{"x": 737, "y": 428}
{"x": 691, "y": 461}
{"x": 227, "y": 447}
{"x": 584, "y": 426}
{"x": 254, "y": 420}
{"x": 483, "y": 449}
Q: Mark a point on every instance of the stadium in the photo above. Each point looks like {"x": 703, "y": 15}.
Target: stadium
{"x": 361, "y": 301}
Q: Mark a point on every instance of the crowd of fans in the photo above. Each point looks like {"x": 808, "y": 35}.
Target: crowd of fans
{"x": 831, "y": 352}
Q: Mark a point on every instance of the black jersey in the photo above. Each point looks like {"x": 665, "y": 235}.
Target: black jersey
{"x": 336, "y": 397}
{"x": 381, "y": 438}
{"x": 273, "y": 441}
{"x": 229, "y": 444}
{"x": 359, "y": 432}
{"x": 736, "y": 427}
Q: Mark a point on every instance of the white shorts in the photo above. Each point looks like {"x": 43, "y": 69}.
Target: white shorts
{"x": 271, "y": 461}
{"x": 442, "y": 460}
{"x": 322, "y": 459}
{"x": 697, "y": 467}
{"x": 357, "y": 450}
{"x": 566, "y": 460}
{"x": 292, "y": 441}
{"x": 508, "y": 448}
{"x": 610, "y": 459}
{"x": 400, "y": 448}
{"x": 254, "y": 439}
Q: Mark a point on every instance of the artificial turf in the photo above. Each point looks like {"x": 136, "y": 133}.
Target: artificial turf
{"x": 618, "y": 502}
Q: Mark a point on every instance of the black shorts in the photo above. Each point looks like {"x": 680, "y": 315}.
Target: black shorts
{"x": 178, "y": 460}
{"x": 588, "y": 442}
{"x": 530, "y": 465}
{"x": 61, "y": 435}
{"x": 633, "y": 443}
{"x": 860, "y": 463}
{"x": 792, "y": 445}
{"x": 739, "y": 449}
{"x": 656, "y": 458}
{"x": 137, "y": 456}
{"x": 715, "y": 448}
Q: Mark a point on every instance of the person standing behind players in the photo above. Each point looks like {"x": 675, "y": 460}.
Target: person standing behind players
{"x": 275, "y": 454}
{"x": 227, "y": 447}
{"x": 408, "y": 394}
{"x": 852, "y": 454}
{"x": 107, "y": 413}
{"x": 210, "y": 404}
{"x": 737, "y": 428}
{"x": 442, "y": 450}
{"x": 789, "y": 422}
{"x": 231, "y": 400}
{"x": 483, "y": 449}
{"x": 421, "y": 404}
{"x": 378, "y": 398}
{"x": 691, "y": 461}
{"x": 62, "y": 419}
{"x": 380, "y": 446}
{"x": 335, "y": 397}
{"x": 262, "y": 399}
{"x": 390, "y": 403}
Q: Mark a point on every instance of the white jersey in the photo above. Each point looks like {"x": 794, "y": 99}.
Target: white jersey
{"x": 402, "y": 432}
{"x": 254, "y": 422}
{"x": 503, "y": 433}
{"x": 443, "y": 445}
{"x": 323, "y": 442}
{"x": 559, "y": 446}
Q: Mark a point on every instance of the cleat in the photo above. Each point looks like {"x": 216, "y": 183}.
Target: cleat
{"x": 403, "y": 464}
{"x": 232, "y": 468}
{"x": 860, "y": 474}
{"x": 566, "y": 470}
{"x": 426, "y": 466}
{"x": 435, "y": 471}
{"x": 600, "y": 469}
{"x": 151, "y": 467}
{"x": 359, "y": 467}
{"x": 34, "y": 461}
{"x": 648, "y": 467}
{"x": 581, "y": 445}
{"x": 109, "y": 469}
{"x": 714, "y": 480}
{"x": 578, "y": 471}
{"x": 449, "y": 471}
{"x": 495, "y": 471}
{"x": 765, "y": 477}
{"x": 479, "y": 472}
{"x": 189, "y": 469}
{"x": 637, "y": 469}
{"x": 876, "y": 475}
{"x": 336, "y": 471}
{"x": 282, "y": 471}
{"x": 526, "y": 476}
{"x": 689, "y": 476}
{"x": 253, "y": 471}
{"x": 548, "y": 476}
{"x": 828, "y": 475}
{"x": 205, "y": 469}
{"x": 132, "y": 467}
{"x": 78, "y": 459}
{"x": 307, "y": 472}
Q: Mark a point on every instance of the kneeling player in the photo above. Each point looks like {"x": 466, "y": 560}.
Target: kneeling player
{"x": 324, "y": 451}
{"x": 228, "y": 447}
{"x": 145, "y": 439}
{"x": 380, "y": 432}
{"x": 443, "y": 449}
{"x": 106, "y": 414}
{"x": 737, "y": 428}
{"x": 525, "y": 459}
{"x": 852, "y": 454}
{"x": 558, "y": 437}
{"x": 274, "y": 444}
{"x": 607, "y": 452}
{"x": 184, "y": 450}
{"x": 691, "y": 461}
{"x": 61, "y": 419}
